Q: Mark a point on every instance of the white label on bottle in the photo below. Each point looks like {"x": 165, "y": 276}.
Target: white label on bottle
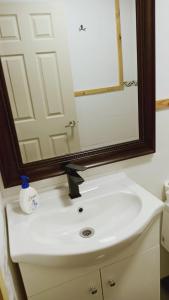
{"x": 34, "y": 202}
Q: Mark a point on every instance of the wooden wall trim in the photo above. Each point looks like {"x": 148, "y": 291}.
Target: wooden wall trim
{"x": 3, "y": 292}
{"x": 162, "y": 104}
{"x": 99, "y": 91}
{"x": 1, "y": 298}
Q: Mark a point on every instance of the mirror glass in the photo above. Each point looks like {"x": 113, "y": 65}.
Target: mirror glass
{"x": 70, "y": 68}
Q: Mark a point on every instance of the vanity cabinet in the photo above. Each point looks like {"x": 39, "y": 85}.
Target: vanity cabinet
{"x": 131, "y": 272}
{"x": 84, "y": 288}
{"x": 136, "y": 277}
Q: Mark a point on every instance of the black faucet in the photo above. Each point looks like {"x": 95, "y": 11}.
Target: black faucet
{"x": 74, "y": 179}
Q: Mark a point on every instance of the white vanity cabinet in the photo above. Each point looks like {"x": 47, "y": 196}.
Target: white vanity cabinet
{"x": 84, "y": 288}
{"x": 133, "y": 278}
{"x": 132, "y": 272}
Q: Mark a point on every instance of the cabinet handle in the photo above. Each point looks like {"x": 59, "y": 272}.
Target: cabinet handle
{"x": 111, "y": 283}
{"x": 93, "y": 291}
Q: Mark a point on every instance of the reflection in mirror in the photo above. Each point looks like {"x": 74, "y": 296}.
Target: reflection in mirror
{"x": 71, "y": 74}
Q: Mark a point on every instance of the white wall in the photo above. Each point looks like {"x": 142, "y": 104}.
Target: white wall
{"x": 93, "y": 53}
{"x": 162, "y": 49}
{"x": 104, "y": 119}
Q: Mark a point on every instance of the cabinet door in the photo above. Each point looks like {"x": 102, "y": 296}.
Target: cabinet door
{"x": 87, "y": 287}
{"x": 135, "y": 278}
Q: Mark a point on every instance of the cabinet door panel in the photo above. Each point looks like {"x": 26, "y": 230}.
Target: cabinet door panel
{"x": 78, "y": 289}
{"x": 135, "y": 278}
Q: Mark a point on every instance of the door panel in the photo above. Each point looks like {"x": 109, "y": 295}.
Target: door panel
{"x": 137, "y": 277}
{"x": 78, "y": 289}
{"x": 35, "y": 59}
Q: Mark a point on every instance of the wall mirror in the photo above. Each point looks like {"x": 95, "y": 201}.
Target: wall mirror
{"x": 77, "y": 83}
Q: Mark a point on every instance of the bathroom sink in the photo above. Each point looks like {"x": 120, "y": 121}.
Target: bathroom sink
{"x": 113, "y": 210}
{"x": 102, "y": 220}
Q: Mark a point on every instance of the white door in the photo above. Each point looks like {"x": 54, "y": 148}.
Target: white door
{"x": 87, "y": 287}
{"x": 35, "y": 59}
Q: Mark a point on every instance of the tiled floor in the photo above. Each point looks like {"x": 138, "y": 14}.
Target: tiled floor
{"x": 165, "y": 289}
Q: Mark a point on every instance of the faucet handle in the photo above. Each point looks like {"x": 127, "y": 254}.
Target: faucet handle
{"x": 73, "y": 167}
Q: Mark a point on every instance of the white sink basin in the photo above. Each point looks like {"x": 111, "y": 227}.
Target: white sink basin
{"x": 106, "y": 216}
{"x": 112, "y": 210}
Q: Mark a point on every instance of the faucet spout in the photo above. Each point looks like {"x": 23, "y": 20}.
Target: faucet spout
{"x": 74, "y": 179}
{"x": 77, "y": 179}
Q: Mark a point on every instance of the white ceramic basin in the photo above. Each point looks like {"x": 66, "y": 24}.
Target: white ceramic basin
{"x": 114, "y": 211}
{"x": 107, "y": 217}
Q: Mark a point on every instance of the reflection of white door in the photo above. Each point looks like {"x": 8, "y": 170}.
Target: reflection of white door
{"x": 35, "y": 59}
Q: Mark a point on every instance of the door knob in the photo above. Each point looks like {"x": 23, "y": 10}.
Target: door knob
{"x": 93, "y": 291}
{"x": 71, "y": 124}
{"x": 111, "y": 283}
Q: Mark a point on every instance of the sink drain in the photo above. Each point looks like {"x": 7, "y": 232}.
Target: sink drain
{"x": 87, "y": 232}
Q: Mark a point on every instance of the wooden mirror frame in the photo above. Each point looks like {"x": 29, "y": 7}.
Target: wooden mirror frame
{"x": 11, "y": 165}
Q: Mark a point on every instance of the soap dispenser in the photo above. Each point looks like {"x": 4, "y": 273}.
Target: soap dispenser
{"x": 28, "y": 198}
